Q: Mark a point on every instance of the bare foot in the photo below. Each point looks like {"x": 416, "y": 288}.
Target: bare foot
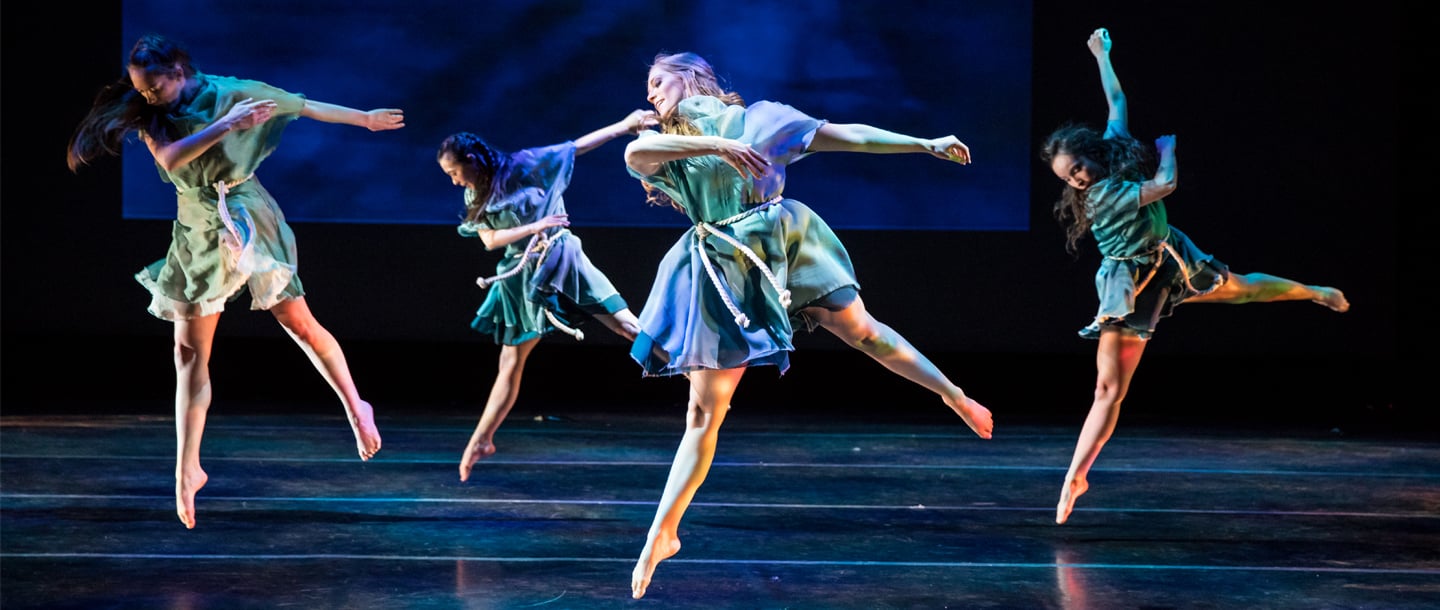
{"x": 660, "y": 547}
{"x": 477, "y": 450}
{"x": 1068, "y": 495}
{"x": 1333, "y": 298}
{"x": 187, "y": 483}
{"x": 975, "y": 415}
{"x": 362, "y": 423}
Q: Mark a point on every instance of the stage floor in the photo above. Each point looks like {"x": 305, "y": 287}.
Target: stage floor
{"x": 800, "y": 511}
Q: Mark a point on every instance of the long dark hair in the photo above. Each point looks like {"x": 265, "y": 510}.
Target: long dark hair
{"x": 1123, "y": 157}
{"x": 699, "y": 78}
{"x": 119, "y": 110}
{"x": 490, "y": 163}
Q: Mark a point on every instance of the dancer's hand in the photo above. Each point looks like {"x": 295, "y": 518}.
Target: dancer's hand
{"x": 248, "y": 113}
{"x": 949, "y": 148}
{"x": 739, "y": 155}
{"x": 551, "y": 221}
{"x": 1165, "y": 144}
{"x": 1099, "y": 42}
{"x": 638, "y": 120}
{"x": 384, "y": 119}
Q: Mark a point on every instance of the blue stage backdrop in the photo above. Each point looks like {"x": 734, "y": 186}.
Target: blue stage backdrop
{"x": 525, "y": 73}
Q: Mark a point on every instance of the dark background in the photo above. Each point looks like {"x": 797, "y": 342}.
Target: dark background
{"x": 527, "y": 73}
{"x": 1287, "y": 121}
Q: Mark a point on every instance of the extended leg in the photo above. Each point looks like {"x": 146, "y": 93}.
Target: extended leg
{"x": 497, "y": 406}
{"x": 710, "y": 393}
{"x": 325, "y": 354}
{"x": 1266, "y": 288}
{"x": 193, "y": 342}
{"x": 856, "y": 327}
{"x": 1115, "y": 360}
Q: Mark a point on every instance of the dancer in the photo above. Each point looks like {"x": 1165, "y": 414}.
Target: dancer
{"x": 545, "y": 282}
{"x": 1149, "y": 266}
{"x": 726, "y": 294}
{"x": 208, "y": 135}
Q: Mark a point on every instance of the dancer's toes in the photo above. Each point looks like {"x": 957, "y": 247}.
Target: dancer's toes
{"x": 657, "y": 549}
{"x": 975, "y": 415}
{"x": 1334, "y": 299}
{"x": 187, "y": 483}
{"x": 1068, "y": 495}
{"x": 477, "y": 450}
{"x": 367, "y": 437}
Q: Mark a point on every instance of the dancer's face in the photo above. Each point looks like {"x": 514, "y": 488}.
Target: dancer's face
{"x": 664, "y": 90}
{"x": 461, "y": 174}
{"x": 1074, "y": 170}
{"x": 157, "y": 89}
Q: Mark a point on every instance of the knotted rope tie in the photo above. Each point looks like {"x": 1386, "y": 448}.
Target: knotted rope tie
{"x": 537, "y": 248}
{"x": 1165, "y": 247}
{"x": 231, "y": 239}
{"x": 705, "y": 229}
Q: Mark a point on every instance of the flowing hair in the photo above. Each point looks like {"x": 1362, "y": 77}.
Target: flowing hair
{"x": 1121, "y": 157}
{"x": 119, "y": 109}
{"x": 699, "y": 78}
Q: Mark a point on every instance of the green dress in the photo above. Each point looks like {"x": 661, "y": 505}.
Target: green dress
{"x": 546, "y": 283}
{"x": 1149, "y": 266}
{"x": 728, "y": 293}
{"x": 217, "y": 252}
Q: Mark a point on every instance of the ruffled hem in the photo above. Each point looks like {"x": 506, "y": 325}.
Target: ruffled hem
{"x": 268, "y": 280}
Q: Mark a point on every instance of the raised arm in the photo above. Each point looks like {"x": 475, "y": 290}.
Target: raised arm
{"x": 1099, "y": 44}
{"x": 632, "y": 123}
{"x": 1166, "y": 173}
{"x": 857, "y": 137}
{"x": 379, "y": 119}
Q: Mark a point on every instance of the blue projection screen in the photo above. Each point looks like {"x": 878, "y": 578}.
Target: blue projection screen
{"x": 525, "y": 73}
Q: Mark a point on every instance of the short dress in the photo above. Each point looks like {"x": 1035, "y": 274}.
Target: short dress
{"x": 546, "y": 283}
{"x": 1149, "y": 266}
{"x": 229, "y": 233}
{"x": 727, "y": 293}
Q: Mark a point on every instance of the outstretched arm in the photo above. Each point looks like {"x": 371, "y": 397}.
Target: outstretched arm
{"x": 379, "y": 119}
{"x": 632, "y": 123}
{"x": 857, "y": 137}
{"x": 1167, "y": 176}
{"x": 1099, "y": 44}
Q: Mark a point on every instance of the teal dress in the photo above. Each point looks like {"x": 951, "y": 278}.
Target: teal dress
{"x": 1149, "y": 266}
{"x": 546, "y": 283}
{"x": 217, "y": 251}
{"x": 731, "y": 289}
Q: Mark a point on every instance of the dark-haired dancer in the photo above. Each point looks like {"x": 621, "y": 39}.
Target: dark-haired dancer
{"x": 208, "y": 135}
{"x": 726, "y": 294}
{"x": 1149, "y": 266}
{"x": 544, "y": 283}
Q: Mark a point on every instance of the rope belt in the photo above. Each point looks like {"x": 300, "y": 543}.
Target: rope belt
{"x": 706, "y": 229}
{"x": 231, "y": 239}
{"x": 1160, "y": 248}
{"x": 537, "y": 248}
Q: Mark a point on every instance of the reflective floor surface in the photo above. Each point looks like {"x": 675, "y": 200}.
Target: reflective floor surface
{"x": 798, "y": 512}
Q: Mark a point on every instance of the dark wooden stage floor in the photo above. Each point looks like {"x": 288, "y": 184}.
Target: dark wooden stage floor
{"x": 799, "y": 512}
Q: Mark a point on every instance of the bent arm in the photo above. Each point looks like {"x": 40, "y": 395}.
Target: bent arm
{"x": 1167, "y": 176}
{"x": 646, "y": 155}
{"x": 499, "y": 238}
{"x": 379, "y": 119}
{"x": 243, "y": 115}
